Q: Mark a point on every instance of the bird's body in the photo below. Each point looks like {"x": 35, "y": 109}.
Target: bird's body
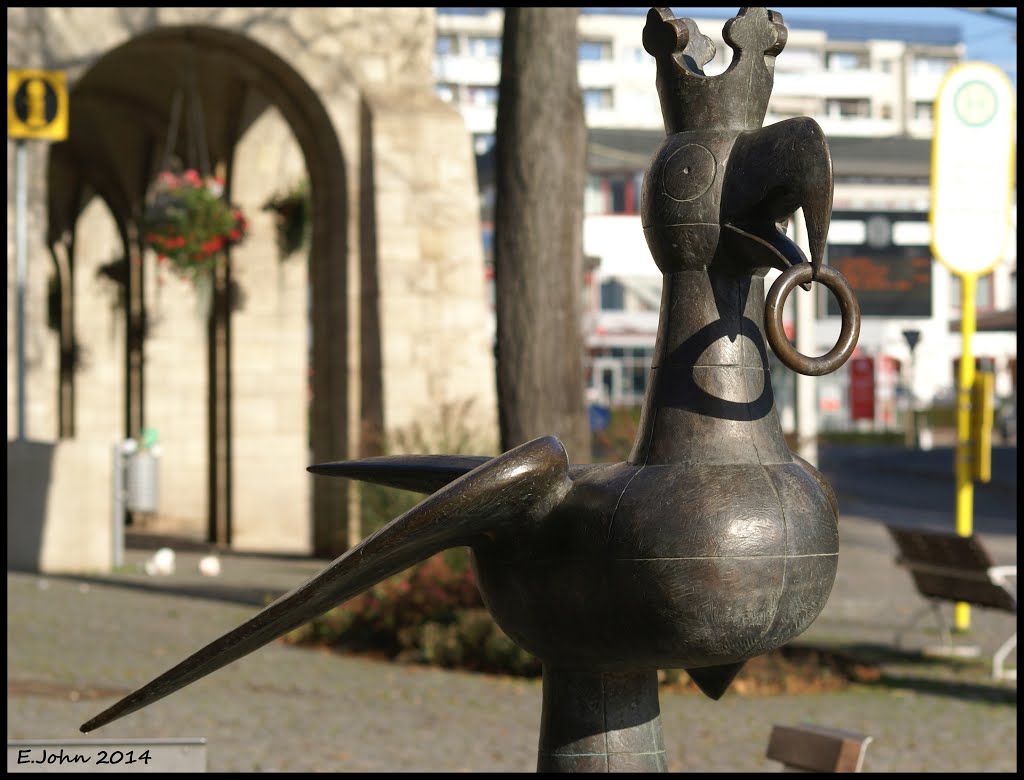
{"x": 636, "y": 569}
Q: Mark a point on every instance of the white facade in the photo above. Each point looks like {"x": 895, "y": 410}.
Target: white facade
{"x": 876, "y": 87}
{"x": 859, "y": 88}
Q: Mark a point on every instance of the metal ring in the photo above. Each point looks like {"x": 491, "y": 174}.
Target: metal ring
{"x": 848, "y": 307}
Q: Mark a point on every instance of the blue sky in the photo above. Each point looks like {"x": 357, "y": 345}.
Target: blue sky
{"x": 987, "y": 38}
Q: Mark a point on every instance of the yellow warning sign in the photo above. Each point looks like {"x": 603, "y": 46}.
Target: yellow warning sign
{"x": 37, "y": 104}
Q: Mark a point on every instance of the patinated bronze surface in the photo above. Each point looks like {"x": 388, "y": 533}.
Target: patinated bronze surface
{"x": 712, "y": 543}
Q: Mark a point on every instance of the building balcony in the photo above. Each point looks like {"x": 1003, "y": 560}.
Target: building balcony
{"x": 856, "y": 126}
{"x": 462, "y": 69}
{"x": 840, "y": 84}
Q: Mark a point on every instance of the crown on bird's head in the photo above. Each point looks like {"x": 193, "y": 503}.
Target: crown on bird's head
{"x": 734, "y": 100}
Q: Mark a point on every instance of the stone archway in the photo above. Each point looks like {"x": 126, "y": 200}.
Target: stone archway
{"x": 121, "y": 136}
{"x": 398, "y": 317}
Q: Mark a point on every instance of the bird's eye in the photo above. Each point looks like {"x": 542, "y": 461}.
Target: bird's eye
{"x": 689, "y": 172}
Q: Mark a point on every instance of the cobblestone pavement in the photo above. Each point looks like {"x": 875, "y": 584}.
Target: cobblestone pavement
{"x": 76, "y": 644}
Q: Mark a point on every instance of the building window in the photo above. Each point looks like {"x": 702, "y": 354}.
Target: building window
{"x": 477, "y": 95}
{"x": 617, "y": 187}
{"x": 923, "y": 110}
{"x": 597, "y": 99}
{"x": 621, "y": 373}
{"x": 613, "y": 193}
{"x": 637, "y": 54}
{"x": 931, "y": 66}
{"x": 886, "y": 111}
{"x": 838, "y": 61}
{"x": 445, "y": 45}
{"x": 484, "y": 47}
{"x": 1013, "y": 288}
{"x": 800, "y": 60}
{"x": 592, "y": 51}
{"x": 613, "y": 296}
{"x": 853, "y": 108}
{"x": 984, "y": 299}
{"x": 593, "y": 196}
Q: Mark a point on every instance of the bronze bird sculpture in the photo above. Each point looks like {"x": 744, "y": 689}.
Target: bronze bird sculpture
{"x": 712, "y": 543}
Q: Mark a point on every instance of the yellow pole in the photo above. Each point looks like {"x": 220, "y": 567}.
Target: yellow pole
{"x": 964, "y": 485}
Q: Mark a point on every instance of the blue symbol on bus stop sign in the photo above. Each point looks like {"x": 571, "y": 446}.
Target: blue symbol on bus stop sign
{"x": 600, "y": 417}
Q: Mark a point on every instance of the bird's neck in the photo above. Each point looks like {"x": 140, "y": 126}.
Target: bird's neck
{"x": 709, "y": 396}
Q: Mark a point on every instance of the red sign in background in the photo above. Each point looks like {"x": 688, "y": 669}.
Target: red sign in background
{"x": 862, "y": 388}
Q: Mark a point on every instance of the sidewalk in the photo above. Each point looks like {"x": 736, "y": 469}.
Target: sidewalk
{"x": 75, "y": 645}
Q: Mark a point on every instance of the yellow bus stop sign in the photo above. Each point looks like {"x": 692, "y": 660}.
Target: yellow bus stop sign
{"x": 973, "y": 151}
{"x": 973, "y": 168}
{"x": 37, "y": 105}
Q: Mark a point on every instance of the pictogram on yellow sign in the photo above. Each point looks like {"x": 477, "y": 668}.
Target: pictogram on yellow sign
{"x": 37, "y": 104}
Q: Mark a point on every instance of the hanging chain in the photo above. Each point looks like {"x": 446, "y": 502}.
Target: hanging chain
{"x": 196, "y": 153}
{"x": 198, "y": 126}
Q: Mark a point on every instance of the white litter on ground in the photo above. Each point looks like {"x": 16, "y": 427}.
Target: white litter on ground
{"x": 162, "y": 562}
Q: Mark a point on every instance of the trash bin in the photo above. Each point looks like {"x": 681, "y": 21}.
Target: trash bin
{"x": 142, "y": 482}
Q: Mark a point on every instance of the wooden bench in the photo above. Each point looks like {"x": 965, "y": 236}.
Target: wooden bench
{"x": 807, "y": 748}
{"x": 949, "y": 568}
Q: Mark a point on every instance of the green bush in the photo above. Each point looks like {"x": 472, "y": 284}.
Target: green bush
{"x": 938, "y": 417}
{"x": 615, "y": 442}
{"x": 858, "y": 438}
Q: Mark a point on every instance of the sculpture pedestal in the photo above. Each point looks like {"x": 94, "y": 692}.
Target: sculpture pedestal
{"x": 600, "y": 722}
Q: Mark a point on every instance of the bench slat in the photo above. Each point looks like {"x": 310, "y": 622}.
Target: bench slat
{"x": 951, "y": 568}
{"x": 817, "y": 748}
{"x": 942, "y": 549}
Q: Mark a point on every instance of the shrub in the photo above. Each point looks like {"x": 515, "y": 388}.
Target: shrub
{"x": 431, "y": 613}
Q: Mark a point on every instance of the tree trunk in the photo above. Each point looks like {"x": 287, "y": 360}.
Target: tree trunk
{"x": 540, "y": 155}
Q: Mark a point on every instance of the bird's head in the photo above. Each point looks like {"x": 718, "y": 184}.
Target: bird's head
{"x": 721, "y": 187}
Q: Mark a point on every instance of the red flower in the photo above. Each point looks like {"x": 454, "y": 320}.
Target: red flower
{"x": 213, "y": 245}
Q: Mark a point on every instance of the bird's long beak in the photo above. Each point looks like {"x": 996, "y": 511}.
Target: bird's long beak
{"x": 770, "y": 174}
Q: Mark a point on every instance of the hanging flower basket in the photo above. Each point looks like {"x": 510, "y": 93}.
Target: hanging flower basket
{"x": 188, "y": 225}
{"x": 292, "y": 211}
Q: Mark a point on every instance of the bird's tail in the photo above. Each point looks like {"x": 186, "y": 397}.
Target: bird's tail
{"x": 713, "y": 681}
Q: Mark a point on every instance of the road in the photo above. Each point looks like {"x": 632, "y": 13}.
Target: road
{"x": 918, "y": 488}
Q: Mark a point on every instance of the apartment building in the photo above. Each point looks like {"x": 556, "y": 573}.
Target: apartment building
{"x": 871, "y": 87}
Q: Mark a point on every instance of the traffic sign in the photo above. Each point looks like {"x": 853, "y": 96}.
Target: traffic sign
{"x": 37, "y": 104}
{"x": 862, "y": 388}
{"x": 972, "y": 168}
